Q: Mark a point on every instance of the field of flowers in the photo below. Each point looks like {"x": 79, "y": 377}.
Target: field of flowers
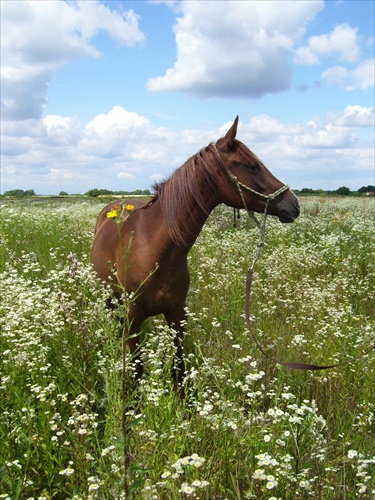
{"x": 248, "y": 428}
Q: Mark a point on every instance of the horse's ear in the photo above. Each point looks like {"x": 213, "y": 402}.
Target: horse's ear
{"x": 228, "y": 140}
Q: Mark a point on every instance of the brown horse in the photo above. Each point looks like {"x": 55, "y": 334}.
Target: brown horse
{"x": 161, "y": 232}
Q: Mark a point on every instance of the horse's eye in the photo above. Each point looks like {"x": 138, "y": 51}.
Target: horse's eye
{"x": 246, "y": 165}
{"x": 254, "y": 167}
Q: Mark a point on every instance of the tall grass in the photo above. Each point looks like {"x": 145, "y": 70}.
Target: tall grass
{"x": 248, "y": 427}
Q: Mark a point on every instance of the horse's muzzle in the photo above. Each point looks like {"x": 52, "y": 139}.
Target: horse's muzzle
{"x": 289, "y": 212}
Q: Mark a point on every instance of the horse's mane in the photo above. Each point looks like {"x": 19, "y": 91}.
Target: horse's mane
{"x": 179, "y": 193}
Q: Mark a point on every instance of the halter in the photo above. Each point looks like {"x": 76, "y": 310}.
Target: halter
{"x": 239, "y": 185}
{"x": 268, "y": 197}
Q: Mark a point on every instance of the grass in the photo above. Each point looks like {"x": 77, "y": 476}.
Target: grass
{"x": 249, "y": 428}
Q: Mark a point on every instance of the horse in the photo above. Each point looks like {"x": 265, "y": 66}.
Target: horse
{"x": 157, "y": 235}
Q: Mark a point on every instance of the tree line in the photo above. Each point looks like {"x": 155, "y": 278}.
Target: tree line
{"x": 95, "y": 193}
{"x": 92, "y": 193}
{"x": 342, "y": 191}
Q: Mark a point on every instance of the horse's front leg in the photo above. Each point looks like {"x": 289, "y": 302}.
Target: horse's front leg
{"x": 131, "y": 376}
{"x": 177, "y": 321}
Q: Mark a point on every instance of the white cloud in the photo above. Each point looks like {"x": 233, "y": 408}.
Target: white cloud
{"x": 121, "y": 26}
{"x": 236, "y": 48}
{"x": 342, "y": 41}
{"x": 320, "y": 153}
{"x": 37, "y": 37}
{"x": 61, "y": 130}
{"x": 361, "y": 77}
{"x": 56, "y": 174}
{"x": 117, "y": 117}
{"x": 130, "y": 152}
{"x": 125, "y": 175}
{"x": 354, "y": 117}
{"x": 117, "y": 134}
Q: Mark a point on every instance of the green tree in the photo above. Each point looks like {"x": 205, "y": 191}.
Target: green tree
{"x": 367, "y": 189}
{"x": 14, "y": 192}
{"x": 343, "y": 190}
{"x": 20, "y": 192}
{"x": 94, "y": 193}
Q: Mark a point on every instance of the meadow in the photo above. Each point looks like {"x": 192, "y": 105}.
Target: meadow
{"x": 248, "y": 428}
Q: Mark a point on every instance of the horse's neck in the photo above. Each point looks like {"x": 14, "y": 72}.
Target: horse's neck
{"x": 198, "y": 218}
{"x": 163, "y": 240}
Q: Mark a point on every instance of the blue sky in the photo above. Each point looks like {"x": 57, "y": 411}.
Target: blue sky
{"x": 117, "y": 94}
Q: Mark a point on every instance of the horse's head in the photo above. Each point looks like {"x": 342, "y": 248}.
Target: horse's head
{"x": 247, "y": 181}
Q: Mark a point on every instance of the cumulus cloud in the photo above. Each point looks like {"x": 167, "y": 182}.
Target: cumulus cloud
{"x": 342, "y": 41}
{"x": 38, "y": 37}
{"x": 118, "y": 117}
{"x": 303, "y": 153}
{"x": 116, "y": 135}
{"x": 235, "y": 48}
{"x": 354, "y": 117}
{"x": 361, "y": 77}
{"x": 127, "y": 151}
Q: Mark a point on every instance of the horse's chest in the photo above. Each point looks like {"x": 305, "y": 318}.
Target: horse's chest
{"x": 169, "y": 289}
{"x": 166, "y": 290}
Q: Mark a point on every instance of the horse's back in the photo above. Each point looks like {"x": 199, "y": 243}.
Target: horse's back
{"x": 117, "y": 204}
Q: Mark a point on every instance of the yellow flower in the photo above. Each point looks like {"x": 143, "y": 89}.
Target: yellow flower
{"x": 129, "y": 207}
{"x": 112, "y": 214}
